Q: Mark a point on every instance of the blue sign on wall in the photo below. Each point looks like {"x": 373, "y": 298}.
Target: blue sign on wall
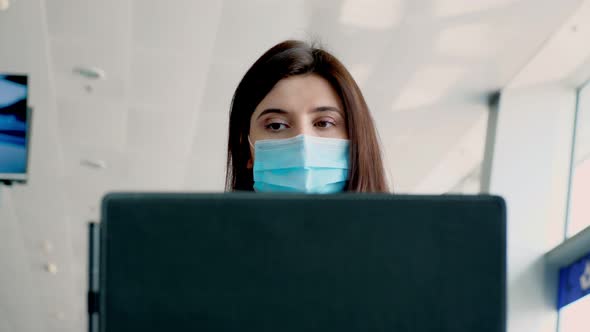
{"x": 574, "y": 282}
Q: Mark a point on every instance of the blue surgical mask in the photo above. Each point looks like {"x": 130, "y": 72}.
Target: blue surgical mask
{"x": 305, "y": 164}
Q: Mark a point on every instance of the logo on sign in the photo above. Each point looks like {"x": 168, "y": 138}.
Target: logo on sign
{"x": 574, "y": 281}
{"x": 585, "y": 277}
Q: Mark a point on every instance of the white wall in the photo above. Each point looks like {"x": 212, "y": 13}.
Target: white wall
{"x": 31, "y": 299}
{"x": 530, "y": 170}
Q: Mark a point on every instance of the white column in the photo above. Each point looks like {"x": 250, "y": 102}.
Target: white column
{"x": 530, "y": 170}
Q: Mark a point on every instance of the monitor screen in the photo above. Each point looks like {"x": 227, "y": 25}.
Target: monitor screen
{"x": 14, "y": 126}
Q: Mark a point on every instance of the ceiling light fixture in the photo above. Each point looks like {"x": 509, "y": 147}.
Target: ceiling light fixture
{"x": 91, "y": 73}
{"x": 4, "y": 5}
{"x": 92, "y": 163}
{"x": 51, "y": 268}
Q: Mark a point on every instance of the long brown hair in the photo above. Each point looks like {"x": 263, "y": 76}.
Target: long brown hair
{"x": 290, "y": 58}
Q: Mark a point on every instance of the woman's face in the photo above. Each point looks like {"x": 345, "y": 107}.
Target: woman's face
{"x": 303, "y": 104}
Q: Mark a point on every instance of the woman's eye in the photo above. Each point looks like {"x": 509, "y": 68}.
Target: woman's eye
{"x": 325, "y": 124}
{"x": 276, "y": 126}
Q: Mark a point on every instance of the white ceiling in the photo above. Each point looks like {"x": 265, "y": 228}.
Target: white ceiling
{"x": 158, "y": 121}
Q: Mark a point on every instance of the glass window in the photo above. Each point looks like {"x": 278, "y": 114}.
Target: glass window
{"x": 574, "y": 316}
{"x": 579, "y": 213}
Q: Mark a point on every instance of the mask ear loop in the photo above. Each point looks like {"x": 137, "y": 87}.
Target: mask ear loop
{"x": 252, "y": 145}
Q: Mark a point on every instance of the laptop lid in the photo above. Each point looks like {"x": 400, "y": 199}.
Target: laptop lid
{"x": 257, "y": 262}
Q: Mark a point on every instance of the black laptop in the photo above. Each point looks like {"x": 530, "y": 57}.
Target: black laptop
{"x": 267, "y": 262}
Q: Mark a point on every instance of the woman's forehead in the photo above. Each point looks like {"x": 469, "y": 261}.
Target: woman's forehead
{"x": 299, "y": 93}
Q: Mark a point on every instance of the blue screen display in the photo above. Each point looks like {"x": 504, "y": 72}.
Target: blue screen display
{"x": 13, "y": 126}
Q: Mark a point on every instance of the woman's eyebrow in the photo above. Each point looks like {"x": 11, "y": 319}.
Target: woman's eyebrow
{"x": 271, "y": 110}
{"x": 328, "y": 109}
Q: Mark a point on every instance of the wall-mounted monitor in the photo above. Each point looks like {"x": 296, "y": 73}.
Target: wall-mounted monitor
{"x": 14, "y": 127}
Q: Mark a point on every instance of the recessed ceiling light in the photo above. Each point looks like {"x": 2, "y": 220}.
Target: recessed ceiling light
{"x": 51, "y": 268}
{"x": 92, "y": 73}
{"x": 4, "y": 5}
{"x": 93, "y": 163}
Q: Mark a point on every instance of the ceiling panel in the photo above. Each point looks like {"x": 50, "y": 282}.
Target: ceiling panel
{"x": 206, "y": 166}
{"x": 222, "y": 81}
{"x": 47, "y": 222}
{"x": 181, "y": 25}
{"x": 105, "y": 23}
{"x": 69, "y": 55}
{"x": 89, "y": 173}
{"x": 206, "y": 171}
{"x": 161, "y": 132}
{"x": 155, "y": 172}
{"x": 93, "y": 122}
{"x": 419, "y": 140}
{"x": 162, "y": 78}
{"x": 248, "y": 28}
{"x": 15, "y": 278}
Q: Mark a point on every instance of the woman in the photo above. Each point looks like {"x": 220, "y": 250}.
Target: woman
{"x": 299, "y": 123}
